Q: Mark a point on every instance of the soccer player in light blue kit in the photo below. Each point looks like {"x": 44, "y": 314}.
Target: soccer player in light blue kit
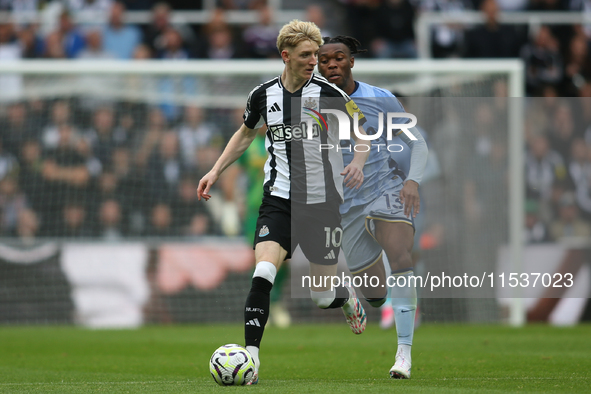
{"x": 379, "y": 216}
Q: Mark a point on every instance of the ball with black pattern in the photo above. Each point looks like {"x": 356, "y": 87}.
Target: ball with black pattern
{"x": 231, "y": 365}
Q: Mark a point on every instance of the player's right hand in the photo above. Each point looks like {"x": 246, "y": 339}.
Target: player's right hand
{"x": 205, "y": 184}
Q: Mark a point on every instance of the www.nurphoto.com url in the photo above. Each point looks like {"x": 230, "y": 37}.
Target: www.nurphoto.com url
{"x": 441, "y": 280}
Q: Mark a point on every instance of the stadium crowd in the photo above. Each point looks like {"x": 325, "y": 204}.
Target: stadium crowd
{"x": 107, "y": 173}
{"x": 120, "y": 169}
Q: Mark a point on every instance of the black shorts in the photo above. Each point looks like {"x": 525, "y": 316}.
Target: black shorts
{"x": 315, "y": 227}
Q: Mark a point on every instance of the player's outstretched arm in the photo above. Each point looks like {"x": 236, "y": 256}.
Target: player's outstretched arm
{"x": 237, "y": 145}
{"x": 354, "y": 171}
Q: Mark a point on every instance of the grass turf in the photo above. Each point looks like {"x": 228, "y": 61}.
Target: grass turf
{"x": 301, "y": 359}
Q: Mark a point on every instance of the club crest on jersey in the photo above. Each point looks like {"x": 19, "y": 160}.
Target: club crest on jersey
{"x": 311, "y": 104}
{"x": 264, "y": 231}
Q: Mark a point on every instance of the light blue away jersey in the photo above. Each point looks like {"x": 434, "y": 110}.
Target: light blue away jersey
{"x": 381, "y": 171}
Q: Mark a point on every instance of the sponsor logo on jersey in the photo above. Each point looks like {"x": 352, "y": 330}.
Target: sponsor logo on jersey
{"x": 281, "y": 132}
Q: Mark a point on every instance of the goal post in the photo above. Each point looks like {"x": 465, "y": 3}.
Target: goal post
{"x": 224, "y": 85}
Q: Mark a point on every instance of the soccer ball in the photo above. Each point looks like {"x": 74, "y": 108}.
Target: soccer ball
{"x": 231, "y": 365}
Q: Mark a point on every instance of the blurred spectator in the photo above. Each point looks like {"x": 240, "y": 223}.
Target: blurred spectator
{"x": 154, "y": 33}
{"x": 190, "y": 216}
{"x": 489, "y": 165}
{"x": 315, "y": 14}
{"x": 148, "y": 140}
{"x": 562, "y": 130}
{"x": 119, "y": 39}
{"x": 60, "y": 115}
{"x": 142, "y": 52}
{"x": 543, "y": 167}
{"x": 68, "y": 36}
{"x": 161, "y": 221}
{"x": 535, "y": 229}
{"x": 12, "y": 203}
{"x": 130, "y": 191}
{"x": 10, "y": 50}
{"x": 194, "y": 133}
{"x": 165, "y": 168}
{"x": 220, "y": 44}
{"x": 65, "y": 171}
{"x": 578, "y": 159}
{"x": 543, "y": 61}
{"x": 261, "y": 38}
{"x": 28, "y": 225}
{"x": 568, "y": 223}
{"x": 563, "y": 33}
{"x": 37, "y": 112}
{"x": 447, "y": 39}
{"x": 15, "y": 128}
{"x": 395, "y": 30}
{"x": 8, "y": 162}
{"x": 492, "y": 40}
{"x": 53, "y": 46}
{"x": 94, "y": 47}
{"x": 73, "y": 221}
{"x": 360, "y": 17}
{"x": 31, "y": 43}
{"x": 107, "y": 189}
{"x": 110, "y": 221}
{"x": 102, "y": 137}
{"x": 31, "y": 179}
{"x": 172, "y": 46}
{"x": 582, "y": 179}
{"x": 578, "y": 65}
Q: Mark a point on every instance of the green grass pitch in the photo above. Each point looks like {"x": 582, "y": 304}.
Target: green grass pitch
{"x": 301, "y": 359}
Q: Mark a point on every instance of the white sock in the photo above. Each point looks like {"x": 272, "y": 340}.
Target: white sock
{"x": 265, "y": 269}
{"x": 405, "y": 350}
{"x": 349, "y": 307}
{"x": 254, "y": 352}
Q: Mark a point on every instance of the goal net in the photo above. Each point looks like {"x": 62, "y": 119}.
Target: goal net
{"x": 99, "y": 164}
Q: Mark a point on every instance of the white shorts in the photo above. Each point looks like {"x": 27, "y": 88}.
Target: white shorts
{"x": 359, "y": 244}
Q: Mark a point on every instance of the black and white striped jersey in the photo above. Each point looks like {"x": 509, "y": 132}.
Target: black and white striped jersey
{"x": 297, "y": 168}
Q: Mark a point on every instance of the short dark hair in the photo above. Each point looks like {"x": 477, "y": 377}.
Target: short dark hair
{"x": 352, "y": 43}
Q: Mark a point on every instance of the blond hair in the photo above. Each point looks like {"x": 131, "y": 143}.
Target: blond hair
{"x": 297, "y": 31}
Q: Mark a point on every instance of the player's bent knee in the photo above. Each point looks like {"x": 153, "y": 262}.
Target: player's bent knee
{"x": 400, "y": 261}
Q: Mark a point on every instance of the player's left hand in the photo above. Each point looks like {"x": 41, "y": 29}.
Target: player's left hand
{"x": 353, "y": 176}
{"x": 409, "y": 196}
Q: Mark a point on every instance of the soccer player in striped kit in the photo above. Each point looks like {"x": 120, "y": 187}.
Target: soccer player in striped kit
{"x": 299, "y": 177}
